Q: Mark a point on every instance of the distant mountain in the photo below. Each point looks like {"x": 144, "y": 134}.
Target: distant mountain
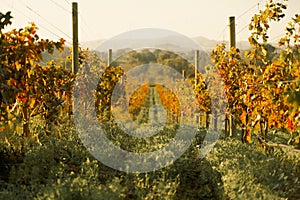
{"x": 92, "y": 45}
{"x": 166, "y": 42}
{"x": 206, "y": 43}
{"x": 209, "y": 45}
{"x": 150, "y": 38}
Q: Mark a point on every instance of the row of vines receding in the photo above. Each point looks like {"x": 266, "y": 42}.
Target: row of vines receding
{"x": 262, "y": 84}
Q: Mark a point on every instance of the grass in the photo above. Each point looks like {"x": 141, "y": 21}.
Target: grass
{"x": 57, "y": 165}
{"x": 248, "y": 173}
{"x": 64, "y": 169}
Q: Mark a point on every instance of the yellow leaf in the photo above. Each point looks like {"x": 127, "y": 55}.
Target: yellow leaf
{"x": 32, "y": 103}
{"x": 264, "y": 51}
{"x": 45, "y": 83}
{"x": 243, "y": 117}
{"x": 29, "y": 72}
{"x": 18, "y": 66}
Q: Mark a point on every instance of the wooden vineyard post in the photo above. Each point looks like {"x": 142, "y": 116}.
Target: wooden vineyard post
{"x": 75, "y": 54}
{"x": 232, "y": 44}
{"x": 109, "y": 57}
{"x": 207, "y": 120}
{"x": 75, "y": 37}
{"x": 196, "y": 65}
{"x": 232, "y": 41}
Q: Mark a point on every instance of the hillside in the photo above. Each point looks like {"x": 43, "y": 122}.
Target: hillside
{"x": 205, "y": 43}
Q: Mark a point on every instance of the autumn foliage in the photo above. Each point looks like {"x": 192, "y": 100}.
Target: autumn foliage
{"x": 262, "y": 90}
{"x": 27, "y": 88}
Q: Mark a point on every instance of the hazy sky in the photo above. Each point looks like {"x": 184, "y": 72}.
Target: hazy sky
{"x": 101, "y": 19}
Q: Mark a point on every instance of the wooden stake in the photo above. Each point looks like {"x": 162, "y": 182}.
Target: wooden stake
{"x": 232, "y": 31}
{"x": 232, "y": 43}
{"x": 109, "y": 57}
{"x": 75, "y": 37}
{"x": 196, "y": 65}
